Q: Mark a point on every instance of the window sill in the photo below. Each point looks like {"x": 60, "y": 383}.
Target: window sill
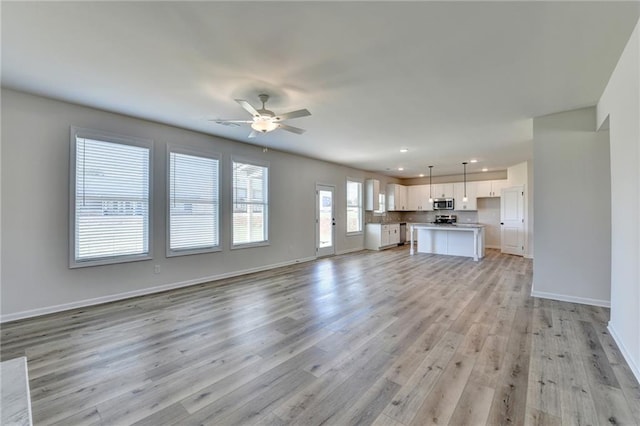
{"x": 188, "y": 252}
{"x": 108, "y": 261}
{"x": 354, "y": 234}
{"x": 249, "y": 245}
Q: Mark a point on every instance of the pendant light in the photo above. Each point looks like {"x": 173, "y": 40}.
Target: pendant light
{"x": 430, "y": 197}
{"x": 465, "y": 199}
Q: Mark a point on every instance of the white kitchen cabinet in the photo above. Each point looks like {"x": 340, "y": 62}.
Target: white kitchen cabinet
{"x": 394, "y": 234}
{"x": 396, "y": 197}
{"x": 379, "y": 236}
{"x": 384, "y": 236}
{"x": 372, "y": 195}
{"x": 490, "y": 188}
{"x": 458, "y": 190}
{"x": 418, "y": 198}
{"x": 498, "y": 185}
{"x": 443, "y": 190}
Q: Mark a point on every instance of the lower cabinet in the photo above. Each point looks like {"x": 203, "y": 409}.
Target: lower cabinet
{"x": 379, "y": 236}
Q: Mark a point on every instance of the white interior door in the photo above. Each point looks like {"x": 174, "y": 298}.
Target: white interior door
{"x": 512, "y": 220}
{"x": 325, "y": 220}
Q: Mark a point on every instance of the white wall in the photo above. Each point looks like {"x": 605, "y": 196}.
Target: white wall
{"x": 571, "y": 207}
{"x": 620, "y": 103}
{"x": 35, "y": 205}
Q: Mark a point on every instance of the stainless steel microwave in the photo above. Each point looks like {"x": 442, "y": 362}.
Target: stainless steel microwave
{"x": 443, "y": 203}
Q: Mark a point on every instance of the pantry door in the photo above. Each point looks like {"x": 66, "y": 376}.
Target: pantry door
{"x": 512, "y": 220}
{"x": 325, "y": 220}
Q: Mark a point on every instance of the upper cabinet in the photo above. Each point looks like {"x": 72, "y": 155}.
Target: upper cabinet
{"x": 418, "y": 198}
{"x": 471, "y": 203}
{"x": 396, "y": 197}
{"x": 442, "y": 190}
{"x": 372, "y": 195}
{"x": 490, "y": 188}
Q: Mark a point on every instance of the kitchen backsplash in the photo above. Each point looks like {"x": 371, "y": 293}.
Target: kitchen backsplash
{"x": 369, "y": 217}
{"x": 421, "y": 217}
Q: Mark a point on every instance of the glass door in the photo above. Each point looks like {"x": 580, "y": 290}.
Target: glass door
{"x": 325, "y": 220}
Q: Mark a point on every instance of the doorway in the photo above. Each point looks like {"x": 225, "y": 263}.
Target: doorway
{"x": 325, "y": 220}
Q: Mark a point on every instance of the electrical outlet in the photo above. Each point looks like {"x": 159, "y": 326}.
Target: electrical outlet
{"x": 156, "y": 269}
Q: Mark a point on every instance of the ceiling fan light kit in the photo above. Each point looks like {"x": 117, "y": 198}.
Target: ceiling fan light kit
{"x": 264, "y": 120}
{"x": 263, "y": 125}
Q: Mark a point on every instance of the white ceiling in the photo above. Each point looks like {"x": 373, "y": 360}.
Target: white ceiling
{"x": 450, "y": 81}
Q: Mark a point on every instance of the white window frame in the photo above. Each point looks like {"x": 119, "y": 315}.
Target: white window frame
{"x": 259, "y": 163}
{"x": 179, "y": 149}
{"x": 382, "y": 205}
{"x": 361, "y": 206}
{"x": 78, "y": 132}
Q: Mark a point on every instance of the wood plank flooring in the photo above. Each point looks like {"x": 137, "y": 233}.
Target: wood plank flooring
{"x": 379, "y": 338}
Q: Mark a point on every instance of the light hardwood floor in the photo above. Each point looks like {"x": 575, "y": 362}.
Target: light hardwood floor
{"x": 379, "y": 338}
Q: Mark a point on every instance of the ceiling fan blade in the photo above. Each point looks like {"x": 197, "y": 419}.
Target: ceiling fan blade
{"x": 291, "y": 129}
{"x": 222, "y": 120}
{"x": 293, "y": 114}
{"x": 253, "y": 134}
{"x": 246, "y": 105}
{"x": 230, "y": 123}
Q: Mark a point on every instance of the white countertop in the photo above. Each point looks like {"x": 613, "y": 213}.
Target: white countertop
{"x": 448, "y": 226}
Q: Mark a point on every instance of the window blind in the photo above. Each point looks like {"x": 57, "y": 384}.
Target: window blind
{"x": 250, "y": 203}
{"x": 111, "y": 200}
{"x": 193, "y": 202}
{"x": 354, "y": 206}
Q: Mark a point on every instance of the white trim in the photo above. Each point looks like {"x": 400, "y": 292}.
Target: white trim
{"x": 121, "y": 296}
{"x": 319, "y": 187}
{"x": 635, "y": 369}
{"x": 494, "y": 247}
{"x": 195, "y": 152}
{"x": 99, "y": 135}
{"x": 571, "y": 299}
{"x": 351, "y": 250}
{"x": 361, "y": 206}
{"x": 267, "y": 222}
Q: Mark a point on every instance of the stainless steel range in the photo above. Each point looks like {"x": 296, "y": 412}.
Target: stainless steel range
{"x": 447, "y": 219}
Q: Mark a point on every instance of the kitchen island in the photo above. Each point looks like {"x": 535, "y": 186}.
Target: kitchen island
{"x": 451, "y": 239}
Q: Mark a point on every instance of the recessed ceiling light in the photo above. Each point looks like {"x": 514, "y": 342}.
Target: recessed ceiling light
{"x": 485, "y": 170}
{"x": 473, "y": 161}
{"x": 400, "y": 168}
{"x": 404, "y": 150}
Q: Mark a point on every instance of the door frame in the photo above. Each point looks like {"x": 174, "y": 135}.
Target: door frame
{"x": 325, "y": 251}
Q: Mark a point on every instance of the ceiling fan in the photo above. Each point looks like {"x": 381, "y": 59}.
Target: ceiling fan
{"x": 263, "y": 120}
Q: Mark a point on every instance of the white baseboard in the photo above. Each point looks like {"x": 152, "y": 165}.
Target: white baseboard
{"x": 571, "y": 299}
{"x": 492, "y": 247}
{"x": 142, "y": 292}
{"x": 347, "y": 251}
{"x": 635, "y": 369}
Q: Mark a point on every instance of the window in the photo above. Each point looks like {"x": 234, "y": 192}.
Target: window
{"x": 381, "y": 206}
{"x": 194, "y": 207}
{"x": 110, "y": 198}
{"x": 354, "y": 206}
{"x": 250, "y": 203}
